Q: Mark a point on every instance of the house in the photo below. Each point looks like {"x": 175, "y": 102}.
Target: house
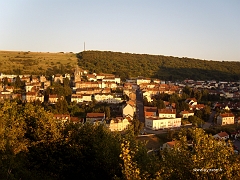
{"x": 17, "y": 96}
{"x": 26, "y": 79}
{"x": 88, "y": 90}
{"x": 143, "y": 80}
{"x": 76, "y": 120}
{"x": 167, "y": 113}
{"x": 129, "y": 109}
{"x": 10, "y": 88}
{"x": 198, "y": 106}
{"x": 225, "y": 118}
{"x": 40, "y": 98}
{"x": 28, "y": 87}
{"x": 118, "y": 124}
{"x": 94, "y": 117}
{"x": 156, "y": 123}
{"x": 53, "y": 98}
{"x": 5, "y": 96}
{"x": 147, "y": 95}
{"x": 62, "y": 118}
{"x": 221, "y": 135}
{"x": 77, "y": 98}
{"x": 58, "y": 78}
{"x": 31, "y": 96}
{"x": 87, "y": 97}
{"x": 191, "y": 101}
{"x": 103, "y": 97}
{"x": 150, "y": 111}
{"x": 43, "y": 78}
{"x": 107, "y": 97}
{"x": 169, "y": 145}
{"x": 5, "y": 92}
{"x": 35, "y": 80}
{"x": 91, "y": 77}
{"x": 81, "y": 84}
{"x": 186, "y": 114}
{"x": 111, "y": 85}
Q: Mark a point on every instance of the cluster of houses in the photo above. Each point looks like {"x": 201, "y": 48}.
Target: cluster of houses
{"x": 224, "y": 89}
{"x": 219, "y": 136}
{"x": 114, "y": 124}
{"x": 86, "y": 87}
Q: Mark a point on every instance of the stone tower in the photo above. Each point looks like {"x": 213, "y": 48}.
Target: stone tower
{"x": 77, "y": 74}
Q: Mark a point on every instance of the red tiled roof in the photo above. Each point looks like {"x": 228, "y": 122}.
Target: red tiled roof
{"x": 150, "y": 109}
{"x": 95, "y": 115}
{"x": 222, "y": 134}
{"x": 171, "y": 143}
{"x": 53, "y": 96}
{"x": 227, "y": 115}
{"x": 167, "y": 111}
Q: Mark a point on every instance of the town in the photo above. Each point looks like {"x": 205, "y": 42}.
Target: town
{"x": 159, "y": 112}
{"x": 151, "y": 101}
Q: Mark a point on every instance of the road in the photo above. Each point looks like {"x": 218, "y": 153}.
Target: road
{"x": 210, "y": 120}
{"x": 139, "y": 106}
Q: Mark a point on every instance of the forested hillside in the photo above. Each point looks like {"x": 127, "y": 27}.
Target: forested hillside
{"x": 157, "y": 66}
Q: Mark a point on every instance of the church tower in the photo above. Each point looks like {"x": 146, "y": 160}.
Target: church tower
{"x": 77, "y": 74}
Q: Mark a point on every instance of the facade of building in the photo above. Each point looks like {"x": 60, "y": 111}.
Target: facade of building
{"x": 226, "y": 118}
{"x": 167, "y": 113}
{"x": 156, "y": 123}
{"x": 93, "y": 117}
{"x": 118, "y": 124}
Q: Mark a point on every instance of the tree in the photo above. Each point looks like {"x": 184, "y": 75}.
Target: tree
{"x": 61, "y": 106}
{"x": 12, "y": 128}
{"x": 137, "y": 126}
{"x": 40, "y": 125}
{"x": 207, "y": 158}
{"x": 107, "y": 112}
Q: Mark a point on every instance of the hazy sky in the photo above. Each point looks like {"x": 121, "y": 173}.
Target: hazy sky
{"x": 204, "y": 29}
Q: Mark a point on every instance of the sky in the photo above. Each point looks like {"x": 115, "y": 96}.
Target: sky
{"x": 201, "y": 29}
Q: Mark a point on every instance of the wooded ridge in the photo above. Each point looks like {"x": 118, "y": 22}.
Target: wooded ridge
{"x": 157, "y": 66}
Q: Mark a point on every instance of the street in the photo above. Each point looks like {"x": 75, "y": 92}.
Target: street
{"x": 139, "y": 106}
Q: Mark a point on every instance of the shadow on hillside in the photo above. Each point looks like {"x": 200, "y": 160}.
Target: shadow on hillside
{"x": 174, "y": 74}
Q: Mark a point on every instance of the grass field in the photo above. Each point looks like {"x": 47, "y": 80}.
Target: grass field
{"x": 19, "y": 62}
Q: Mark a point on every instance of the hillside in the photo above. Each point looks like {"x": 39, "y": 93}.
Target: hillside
{"x": 16, "y": 62}
{"x": 157, "y": 66}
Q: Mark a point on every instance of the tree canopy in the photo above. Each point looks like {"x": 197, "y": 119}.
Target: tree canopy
{"x": 157, "y": 66}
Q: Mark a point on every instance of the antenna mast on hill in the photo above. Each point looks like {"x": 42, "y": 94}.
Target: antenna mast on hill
{"x": 84, "y": 46}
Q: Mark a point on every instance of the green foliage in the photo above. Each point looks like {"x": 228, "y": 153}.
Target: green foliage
{"x": 197, "y": 161}
{"x": 34, "y": 146}
{"x": 12, "y": 125}
{"x": 137, "y": 126}
{"x": 157, "y": 66}
{"x": 61, "y": 107}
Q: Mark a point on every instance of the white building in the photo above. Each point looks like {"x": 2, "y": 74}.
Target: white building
{"x": 143, "y": 80}
{"x": 128, "y": 110}
{"x": 106, "y": 97}
{"x": 221, "y": 135}
{"x": 226, "y": 118}
{"x": 167, "y": 113}
{"x": 118, "y": 124}
{"x": 156, "y": 123}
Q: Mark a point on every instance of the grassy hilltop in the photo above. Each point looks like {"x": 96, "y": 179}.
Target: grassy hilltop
{"x": 16, "y": 62}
